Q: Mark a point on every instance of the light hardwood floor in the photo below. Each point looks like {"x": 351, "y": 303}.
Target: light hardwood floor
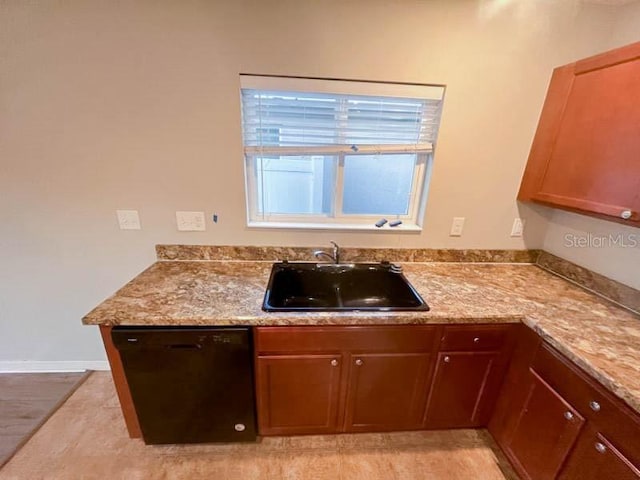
{"x": 86, "y": 439}
{"x": 26, "y": 401}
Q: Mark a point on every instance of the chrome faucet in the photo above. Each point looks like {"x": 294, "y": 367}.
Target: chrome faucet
{"x": 335, "y": 258}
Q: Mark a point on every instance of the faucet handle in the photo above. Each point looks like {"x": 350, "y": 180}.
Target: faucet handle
{"x": 336, "y": 252}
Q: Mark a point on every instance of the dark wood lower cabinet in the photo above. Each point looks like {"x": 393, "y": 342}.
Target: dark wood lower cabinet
{"x": 386, "y": 391}
{"x": 546, "y": 430}
{"x": 551, "y": 418}
{"x": 298, "y": 393}
{"x": 597, "y": 458}
{"x": 378, "y": 378}
{"x": 121, "y": 384}
{"x": 554, "y": 421}
{"x": 470, "y": 368}
{"x": 463, "y": 385}
{"x": 337, "y": 379}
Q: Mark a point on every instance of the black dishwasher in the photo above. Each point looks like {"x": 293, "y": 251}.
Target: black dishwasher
{"x": 190, "y": 384}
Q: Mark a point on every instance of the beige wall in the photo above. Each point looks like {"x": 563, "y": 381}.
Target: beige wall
{"x": 626, "y": 27}
{"x": 612, "y": 249}
{"x": 604, "y": 247}
{"x": 134, "y": 105}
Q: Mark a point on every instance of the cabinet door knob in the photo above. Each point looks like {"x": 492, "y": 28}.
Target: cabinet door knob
{"x": 600, "y": 447}
{"x": 359, "y": 361}
{"x": 476, "y": 339}
{"x": 595, "y": 406}
{"x": 447, "y": 359}
{"x": 568, "y": 415}
{"x": 626, "y": 214}
{"x": 239, "y": 427}
{"x": 334, "y": 363}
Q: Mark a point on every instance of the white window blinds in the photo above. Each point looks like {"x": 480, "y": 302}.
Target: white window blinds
{"x": 286, "y": 121}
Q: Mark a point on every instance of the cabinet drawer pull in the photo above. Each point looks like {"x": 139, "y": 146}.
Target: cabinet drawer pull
{"x": 359, "y": 362}
{"x": 447, "y": 359}
{"x": 476, "y": 340}
{"x": 334, "y": 363}
{"x": 568, "y": 415}
{"x": 626, "y": 214}
{"x": 595, "y": 406}
{"x": 600, "y": 447}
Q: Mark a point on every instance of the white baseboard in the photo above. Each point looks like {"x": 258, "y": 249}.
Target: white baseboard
{"x": 61, "y": 366}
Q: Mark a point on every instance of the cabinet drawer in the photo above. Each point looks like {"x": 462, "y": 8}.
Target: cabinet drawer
{"x": 470, "y": 338}
{"x": 407, "y": 338}
{"x": 610, "y": 416}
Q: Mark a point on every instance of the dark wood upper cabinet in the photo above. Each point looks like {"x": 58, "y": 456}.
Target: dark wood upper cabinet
{"x": 585, "y": 155}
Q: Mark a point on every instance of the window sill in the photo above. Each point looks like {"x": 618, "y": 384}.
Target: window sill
{"x": 403, "y": 228}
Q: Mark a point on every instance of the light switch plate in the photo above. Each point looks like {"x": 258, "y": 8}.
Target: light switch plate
{"x": 190, "y": 221}
{"x": 128, "y": 219}
{"x": 518, "y": 227}
{"x": 456, "y": 227}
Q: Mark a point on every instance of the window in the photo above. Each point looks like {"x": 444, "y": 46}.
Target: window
{"x": 337, "y": 154}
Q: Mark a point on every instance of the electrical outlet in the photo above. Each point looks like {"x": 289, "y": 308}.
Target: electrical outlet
{"x": 190, "y": 221}
{"x": 457, "y": 226}
{"x": 128, "y": 219}
{"x": 518, "y": 227}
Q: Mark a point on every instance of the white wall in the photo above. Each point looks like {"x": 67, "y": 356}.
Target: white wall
{"x": 613, "y": 250}
{"x": 134, "y": 105}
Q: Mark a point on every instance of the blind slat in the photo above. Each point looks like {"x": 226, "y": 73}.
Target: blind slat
{"x": 296, "y": 119}
{"x": 335, "y": 150}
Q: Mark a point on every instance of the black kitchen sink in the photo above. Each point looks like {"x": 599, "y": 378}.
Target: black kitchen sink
{"x": 340, "y": 287}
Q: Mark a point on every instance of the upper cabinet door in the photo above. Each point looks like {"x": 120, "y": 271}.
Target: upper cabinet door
{"x": 586, "y": 152}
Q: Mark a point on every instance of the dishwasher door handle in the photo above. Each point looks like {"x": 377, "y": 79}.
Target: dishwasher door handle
{"x": 184, "y": 346}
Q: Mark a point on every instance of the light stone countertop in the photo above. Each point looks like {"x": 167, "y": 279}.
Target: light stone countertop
{"x": 597, "y": 335}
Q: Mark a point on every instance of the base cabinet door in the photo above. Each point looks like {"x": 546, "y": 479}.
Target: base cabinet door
{"x": 555, "y": 421}
{"x": 546, "y": 431}
{"x": 328, "y": 379}
{"x": 596, "y": 458}
{"x": 325, "y": 379}
{"x": 386, "y": 391}
{"x": 298, "y": 393}
{"x": 463, "y": 384}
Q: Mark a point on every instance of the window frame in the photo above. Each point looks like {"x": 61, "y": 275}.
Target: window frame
{"x": 411, "y": 221}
